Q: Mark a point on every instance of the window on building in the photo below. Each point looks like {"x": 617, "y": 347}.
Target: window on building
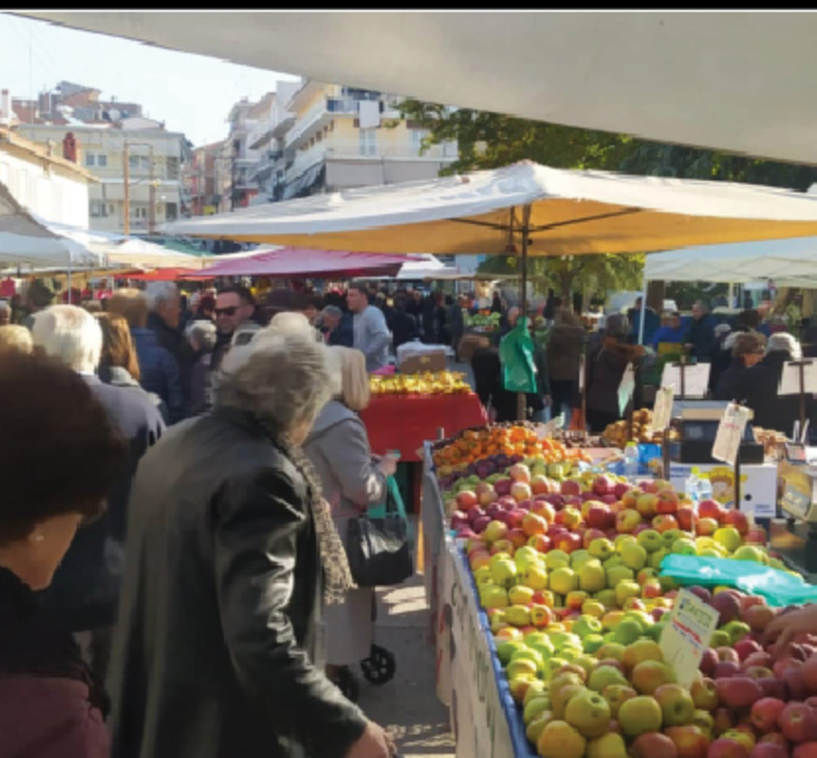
{"x": 171, "y": 211}
{"x": 138, "y": 211}
{"x": 102, "y": 160}
{"x": 368, "y": 141}
{"x": 97, "y": 209}
{"x": 172, "y": 168}
{"x": 111, "y": 209}
{"x": 139, "y": 161}
{"x": 417, "y": 137}
{"x": 319, "y": 136}
{"x": 90, "y": 159}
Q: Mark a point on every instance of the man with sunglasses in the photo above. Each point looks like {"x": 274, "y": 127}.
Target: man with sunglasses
{"x": 235, "y": 306}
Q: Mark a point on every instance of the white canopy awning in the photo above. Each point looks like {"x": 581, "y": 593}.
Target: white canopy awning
{"x": 572, "y": 213}
{"x": 26, "y": 240}
{"x": 788, "y": 263}
{"x": 734, "y": 81}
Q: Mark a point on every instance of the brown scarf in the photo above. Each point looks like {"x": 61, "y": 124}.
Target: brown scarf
{"x": 336, "y": 572}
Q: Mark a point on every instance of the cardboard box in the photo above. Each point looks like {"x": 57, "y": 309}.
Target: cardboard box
{"x": 416, "y": 358}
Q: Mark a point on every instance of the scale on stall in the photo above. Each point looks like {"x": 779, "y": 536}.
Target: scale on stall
{"x": 795, "y": 535}
{"x": 697, "y": 424}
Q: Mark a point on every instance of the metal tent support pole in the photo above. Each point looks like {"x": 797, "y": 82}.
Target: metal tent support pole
{"x": 521, "y": 398}
{"x": 642, "y": 313}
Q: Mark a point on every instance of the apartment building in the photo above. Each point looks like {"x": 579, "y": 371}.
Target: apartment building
{"x": 43, "y": 181}
{"x": 208, "y": 179}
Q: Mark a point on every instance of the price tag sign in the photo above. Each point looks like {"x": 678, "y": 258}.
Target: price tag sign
{"x": 790, "y": 378}
{"x": 626, "y": 388}
{"x": 687, "y": 635}
{"x": 662, "y": 413}
{"x": 544, "y": 431}
{"x": 696, "y": 378}
{"x": 730, "y": 433}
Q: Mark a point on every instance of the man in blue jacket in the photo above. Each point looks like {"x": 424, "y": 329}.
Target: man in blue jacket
{"x": 672, "y": 333}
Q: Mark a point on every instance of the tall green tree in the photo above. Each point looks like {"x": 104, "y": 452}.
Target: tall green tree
{"x": 492, "y": 140}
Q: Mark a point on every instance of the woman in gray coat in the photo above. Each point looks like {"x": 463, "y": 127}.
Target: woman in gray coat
{"x": 351, "y": 480}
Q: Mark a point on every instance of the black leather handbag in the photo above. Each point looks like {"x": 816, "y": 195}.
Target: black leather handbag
{"x": 378, "y": 546}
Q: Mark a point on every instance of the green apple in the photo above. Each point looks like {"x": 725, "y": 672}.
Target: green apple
{"x": 504, "y": 650}
{"x": 728, "y": 537}
{"x": 534, "y": 709}
{"x": 518, "y": 615}
{"x": 535, "y": 577}
{"x": 520, "y": 595}
{"x": 612, "y": 562}
{"x": 594, "y": 608}
{"x": 670, "y": 536}
{"x": 736, "y": 630}
{"x": 668, "y": 583}
{"x": 483, "y": 575}
{"x": 529, "y": 654}
{"x": 537, "y": 690}
{"x": 498, "y": 620}
{"x": 628, "y": 631}
{"x": 556, "y": 559}
{"x": 522, "y": 667}
{"x": 607, "y": 598}
{"x": 494, "y": 596}
{"x": 657, "y": 557}
{"x": 749, "y": 553}
{"x": 720, "y": 638}
{"x": 527, "y": 555}
{"x": 592, "y": 643}
{"x": 650, "y": 540}
{"x": 563, "y": 581}
{"x": 551, "y": 666}
{"x": 601, "y": 548}
{"x": 624, "y": 590}
{"x": 624, "y": 539}
{"x": 619, "y": 574}
{"x": 505, "y": 572}
{"x": 684, "y": 546}
{"x": 644, "y": 619}
{"x": 633, "y": 556}
{"x": 563, "y": 640}
{"x": 655, "y": 631}
{"x": 585, "y": 625}
{"x": 592, "y": 577}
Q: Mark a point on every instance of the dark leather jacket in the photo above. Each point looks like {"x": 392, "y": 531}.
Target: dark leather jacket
{"x": 221, "y": 587}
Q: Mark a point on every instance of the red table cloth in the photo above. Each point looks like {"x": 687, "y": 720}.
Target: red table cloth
{"x": 405, "y": 422}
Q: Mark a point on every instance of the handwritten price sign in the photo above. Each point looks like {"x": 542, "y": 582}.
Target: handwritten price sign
{"x": 687, "y": 635}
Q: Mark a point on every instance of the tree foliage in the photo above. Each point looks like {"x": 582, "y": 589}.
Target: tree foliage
{"x": 492, "y": 140}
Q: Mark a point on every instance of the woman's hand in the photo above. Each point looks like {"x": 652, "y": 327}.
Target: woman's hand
{"x": 788, "y": 625}
{"x": 388, "y": 465}
{"x": 373, "y": 743}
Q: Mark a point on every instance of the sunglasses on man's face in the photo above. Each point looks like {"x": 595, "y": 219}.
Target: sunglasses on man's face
{"x": 229, "y": 311}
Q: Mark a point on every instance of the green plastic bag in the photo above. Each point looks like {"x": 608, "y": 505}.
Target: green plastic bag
{"x": 780, "y": 588}
{"x": 516, "y": 356}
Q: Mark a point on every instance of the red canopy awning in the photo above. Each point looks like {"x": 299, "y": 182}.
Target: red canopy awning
{"x": 305, "y": 262}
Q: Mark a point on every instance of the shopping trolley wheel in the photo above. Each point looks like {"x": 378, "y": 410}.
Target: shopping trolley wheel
{"x": 348, "y": 684}
{"x": 380, "y": 666}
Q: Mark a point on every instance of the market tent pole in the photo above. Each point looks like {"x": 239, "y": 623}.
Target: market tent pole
{"x": 643, "y": 312}
{"x": 731, "y": 294}
{"x": 521, "y": 398}
{"x": 69, "y": 278}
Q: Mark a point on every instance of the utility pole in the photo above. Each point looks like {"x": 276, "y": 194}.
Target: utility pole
{"x": 151, "y": 194}
{"x": 126, "y": 159}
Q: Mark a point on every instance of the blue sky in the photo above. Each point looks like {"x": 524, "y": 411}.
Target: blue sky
{"x": 190, "y": 93}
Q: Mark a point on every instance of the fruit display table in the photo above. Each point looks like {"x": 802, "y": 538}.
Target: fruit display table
{"x": 405, "y": 422}
{"x": 585, "y": 616}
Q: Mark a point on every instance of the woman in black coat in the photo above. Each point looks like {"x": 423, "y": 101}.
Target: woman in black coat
{"x": 747, "y": 349}
{"x": 759, "y": 385}
{"x": 216, "y": 654}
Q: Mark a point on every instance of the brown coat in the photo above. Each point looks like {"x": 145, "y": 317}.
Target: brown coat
{"x": 564, "y": 348}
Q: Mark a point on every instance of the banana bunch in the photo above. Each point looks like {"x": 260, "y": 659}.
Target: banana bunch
{"x": 427, "y": 383}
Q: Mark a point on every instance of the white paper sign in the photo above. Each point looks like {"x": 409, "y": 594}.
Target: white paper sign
{"x": 548, "y": 429}
{"x": 696, "y": 379}
{"x": 730, "y": 433}
{"x": 582, "y": 369}
{"x": 626, "y": 388}
{"x": 790, "y": 380}
{"x": 662, "y": 412}
{"x": 687, "y": 635}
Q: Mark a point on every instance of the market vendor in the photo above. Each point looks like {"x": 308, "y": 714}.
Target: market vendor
{"x": 700, "y": 335}
{"x": 371, "y": 331}
{"x": 672, "y": 333}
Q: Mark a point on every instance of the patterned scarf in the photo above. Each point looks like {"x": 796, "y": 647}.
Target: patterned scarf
{"x": 336, "y": 572}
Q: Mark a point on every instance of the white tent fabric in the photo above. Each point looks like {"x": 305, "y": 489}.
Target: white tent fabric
{"x": 430, "y": 267}
{"x": 734, "y": 81}
{"x": 26, "y": 241}
{"x": 573, "y": 213}
{"x": 788, "y": 263}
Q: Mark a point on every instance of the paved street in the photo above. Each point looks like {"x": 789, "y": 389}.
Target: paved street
{"x": 408, "y": 705}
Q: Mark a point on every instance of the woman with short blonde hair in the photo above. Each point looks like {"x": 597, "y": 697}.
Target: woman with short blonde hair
{"x": 354, "y": 379}
{"x": 132, "y": 304}
{"x": 15, "y": 339}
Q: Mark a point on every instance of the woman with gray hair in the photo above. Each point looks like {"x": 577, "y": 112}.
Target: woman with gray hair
{"x": 229, "y": 540}
{"x": 201, "y": 336}
{"x": 607, "y": 361}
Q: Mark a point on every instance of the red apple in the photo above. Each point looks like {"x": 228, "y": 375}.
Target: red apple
{"x": 727, "y": 748}
{"x": 704, "y": 694}
{"x": 690, "y": 741}
{"x": 806, "y": 750}
{"x": 783, "y": 664}
{"x": 667, "y": 502}
{"x": 621, "y": 489}
{"x": 797, "y": 723}
{"x": 774, "y": 688}
{"x": 727, "y": 605}
{"x": 710, "y": 509}
{"x": 653, "y": 745}
{"x": 709, "y": 661}
{"x": 603, "y": 485}
{"x": 533, "y": 524}
{"x": 775, "y": 738}
{"x": 759, "y": 617}
{"x": 808, "y": 673}
{"x": 769, "y": 750}
{"x": 727, "y": 654}
{"x": 630, "y": 498}
{"x": 746, "y": 647}
{"x": 765, "y": 714}
{"x": 724, "y": 720}
{"x": 739, "y": 692}
{"x": 540, "y": 485}
{"x": 665, "y": 522}
{"x": 705, "y": 527}
{"x": 756, "y": 536}
{"x": 758, "y": 672}
{"x": 686, "y": 518}
{"x": 738, "y": 520}
{"x": 517, "y": 538}
{"x": 726, "y": 670}
{"x": 793, "y": 677}
{"x": 701, "y": 592}
{"x": 646, "y": 505}
{"x": 567, "y": 542}
{"x": 570, "y": 487}
{"x": 466, "y": 500}
{"x": 540, "y": 542}
{"x": 590, "y": 535}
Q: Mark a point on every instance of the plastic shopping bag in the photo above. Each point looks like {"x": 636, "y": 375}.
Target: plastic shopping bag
{"x": 780, "y": 588}
{"x": 516, "y": 355}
